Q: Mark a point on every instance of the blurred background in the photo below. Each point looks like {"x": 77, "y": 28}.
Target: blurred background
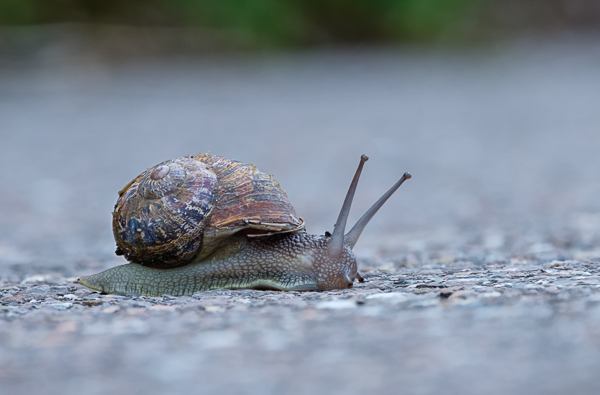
{"x": 492, "y": 105}
{"x": 126, "y": 28}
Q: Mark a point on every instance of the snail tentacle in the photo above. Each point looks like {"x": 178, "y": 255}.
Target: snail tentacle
{"x": 354, "y": 234}
{"x": 336, "y": 243}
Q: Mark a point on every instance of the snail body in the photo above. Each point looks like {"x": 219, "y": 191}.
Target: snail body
{"x": 207, "y": 222}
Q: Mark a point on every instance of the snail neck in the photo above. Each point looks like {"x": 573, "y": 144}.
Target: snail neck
{"x": 294, "y": 262}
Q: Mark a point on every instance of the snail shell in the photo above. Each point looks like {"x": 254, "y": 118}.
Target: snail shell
{"x": 183, "y": 209}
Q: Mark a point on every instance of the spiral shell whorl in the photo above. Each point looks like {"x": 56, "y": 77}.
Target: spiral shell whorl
{"x": 159, "y": 219}
{"x": 164, "y": 179}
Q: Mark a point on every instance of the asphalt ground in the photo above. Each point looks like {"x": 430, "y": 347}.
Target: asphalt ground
{"x": 482, "y": 273}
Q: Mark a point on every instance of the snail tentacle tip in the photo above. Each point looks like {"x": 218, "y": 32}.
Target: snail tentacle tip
{"x": 407, "y": 175}
{"x": 364, "y": 158}
{"x": 360, "y": 277}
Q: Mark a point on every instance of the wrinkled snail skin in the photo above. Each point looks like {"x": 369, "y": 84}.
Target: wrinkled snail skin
{"x": 206, "y": 222}
{"x": 297, "y": 262}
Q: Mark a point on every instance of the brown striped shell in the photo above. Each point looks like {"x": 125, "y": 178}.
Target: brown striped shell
{"x": 185, "y": 208}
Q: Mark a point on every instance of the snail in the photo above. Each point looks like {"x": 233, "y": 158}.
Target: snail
{"x": 207, "y": 222}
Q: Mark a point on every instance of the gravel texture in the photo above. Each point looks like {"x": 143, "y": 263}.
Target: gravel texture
{"x": 482, "y": 275}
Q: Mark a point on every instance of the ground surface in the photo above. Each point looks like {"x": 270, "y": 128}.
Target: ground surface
{"x": 483, "y": 274}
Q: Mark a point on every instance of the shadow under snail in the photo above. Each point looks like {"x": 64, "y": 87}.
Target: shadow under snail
{"x": 207, "y": 222}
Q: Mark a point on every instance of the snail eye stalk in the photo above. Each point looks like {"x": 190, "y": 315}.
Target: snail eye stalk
{"x": 354, "y": 234}
{"x": 336, "y": 243}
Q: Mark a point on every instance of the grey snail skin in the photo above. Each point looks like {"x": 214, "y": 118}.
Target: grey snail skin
{"x": 207, "y": 222}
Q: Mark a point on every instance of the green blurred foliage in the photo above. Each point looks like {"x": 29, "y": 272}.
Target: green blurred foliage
{"x": 265, "y": 22}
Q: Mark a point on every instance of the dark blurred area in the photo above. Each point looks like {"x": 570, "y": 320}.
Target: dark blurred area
{"x": 158, "y": 27}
